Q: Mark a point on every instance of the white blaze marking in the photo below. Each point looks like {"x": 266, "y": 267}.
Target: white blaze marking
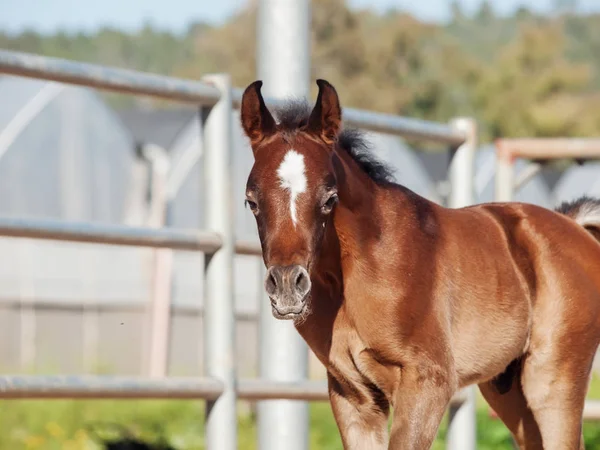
{"x": 292, "y": 178}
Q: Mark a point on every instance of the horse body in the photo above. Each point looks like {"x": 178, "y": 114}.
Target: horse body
{"x": 465, "y": 317}
{"x": 409, "y": 301}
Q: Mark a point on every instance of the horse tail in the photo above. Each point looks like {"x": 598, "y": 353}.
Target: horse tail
{"x": 585, "y": 211}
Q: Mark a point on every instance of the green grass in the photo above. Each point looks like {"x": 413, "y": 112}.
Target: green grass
{"x": 65, "y": 425}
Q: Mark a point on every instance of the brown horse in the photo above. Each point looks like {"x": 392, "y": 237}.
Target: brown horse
{"x": 405, "y": 301}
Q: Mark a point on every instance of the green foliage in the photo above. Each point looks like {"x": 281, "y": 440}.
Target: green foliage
{"x": 541, "y": 90}
{"x": 76, "y": 425}
{"x": 525, "y": 75}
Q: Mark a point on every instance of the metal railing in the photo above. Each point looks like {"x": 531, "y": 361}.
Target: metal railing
{"x": 199, "y": 93}
{"x": 103, "y": 386}
{"x": 221, "y": 387}
{"x": 538, "y": 150}
{"x": 60, "y": 230}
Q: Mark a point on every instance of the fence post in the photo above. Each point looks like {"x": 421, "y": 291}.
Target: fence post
{"x": 504, "y": 189}
{"x": 283, "y": 57}
{"x": 462, "y": 424}
{"x": 162, "y": 265}
{"x": 219, "y": 322}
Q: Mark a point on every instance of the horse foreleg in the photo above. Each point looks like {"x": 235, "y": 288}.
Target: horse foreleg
{"x": 362, "y": 420}
{"x": 419, "y": 405}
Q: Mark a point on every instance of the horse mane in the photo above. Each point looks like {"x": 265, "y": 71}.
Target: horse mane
{"x": 294, "y": 114}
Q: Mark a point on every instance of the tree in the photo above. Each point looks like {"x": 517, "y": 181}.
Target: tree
{"x": 565, "y": 6}
{"x": 456, "y": 12}
{"x": 486, "y": 13}
{"x": 532, "y": 90}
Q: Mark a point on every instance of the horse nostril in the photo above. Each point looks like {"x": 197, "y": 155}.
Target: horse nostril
{"x": 271, "y": 282}
{"x": 299, "y": 280}
{"x": 302, "y": 282}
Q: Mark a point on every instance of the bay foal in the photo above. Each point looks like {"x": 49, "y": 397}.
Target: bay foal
{"x": 405, "y": 301}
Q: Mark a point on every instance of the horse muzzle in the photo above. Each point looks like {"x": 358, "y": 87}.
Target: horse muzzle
{"x": 288, "y": 287}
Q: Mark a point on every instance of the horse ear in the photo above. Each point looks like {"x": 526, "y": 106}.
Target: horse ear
{"x": 257, "y": 121}
{"x": 325, "y": 120}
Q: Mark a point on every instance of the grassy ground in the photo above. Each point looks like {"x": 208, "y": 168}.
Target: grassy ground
{"x": 69, "y": 425}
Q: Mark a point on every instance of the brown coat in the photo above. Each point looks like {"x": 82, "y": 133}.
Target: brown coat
{"x": 405, "y": 301}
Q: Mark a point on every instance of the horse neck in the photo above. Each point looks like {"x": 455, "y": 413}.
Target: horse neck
{"x": 371, "y": 215}
{"x": 351, "y": 223}
{"x": 356, "y": 216}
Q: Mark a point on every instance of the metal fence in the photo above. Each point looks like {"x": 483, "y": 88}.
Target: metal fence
{"x": 538, "y": 150}
{"x": 220, "y": 388}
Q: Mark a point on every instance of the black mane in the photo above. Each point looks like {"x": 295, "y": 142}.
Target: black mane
{"x": 573, "y": 206}
{"x": 294, "y": 115}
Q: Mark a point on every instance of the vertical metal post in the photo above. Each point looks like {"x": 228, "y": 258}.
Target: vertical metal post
{"x": 284, "y": 66}
{"x": 219, "y": 321}
{"x": 504, "y": 189}
{"x": 162, "y": 272}
{"x": 162, "y": 266}
{"x": 462, "y": 166}
{"x": 462, "y": 422}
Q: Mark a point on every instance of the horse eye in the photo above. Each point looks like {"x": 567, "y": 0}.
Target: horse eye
{"x": 252, "y": 205}
{"x": 328, "y": 205}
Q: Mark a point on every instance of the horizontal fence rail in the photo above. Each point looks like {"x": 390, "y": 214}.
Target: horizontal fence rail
{"x": 115, "y": 387}
{"x": 118, "y": 387}
{"x": 107, "y": 78}
{"x": 538, "y": 151}
{"x": 89, "y": 232}
{"x": 403, "y": 126}
{"x": 101, "y": 386}
{"x": 189, "y": 91}
{"x": 251, "y": 248}
{"x": 100, "y": 233}
{"x": 257, "y": 389}
{"x": 111, "y": 306}
{"x": 549, "y": 148}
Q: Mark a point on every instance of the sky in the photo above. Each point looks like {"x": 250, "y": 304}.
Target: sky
{"x": 175, "y": 15}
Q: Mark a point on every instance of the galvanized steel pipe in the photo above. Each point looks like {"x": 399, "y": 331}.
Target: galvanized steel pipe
{"x": 99, "y": 387}
{"x": 219, "y": 318}
{"x": 107, "y": 78}
{"x": 101, "y": 233}
{"x": 283, "y": 63}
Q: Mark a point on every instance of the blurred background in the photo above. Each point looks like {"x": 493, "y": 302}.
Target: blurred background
{"x": 521, "y": 68}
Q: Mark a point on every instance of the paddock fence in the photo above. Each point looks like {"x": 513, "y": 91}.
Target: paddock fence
{"x": 220, "y": 386}
{"x": 537, "y": 151}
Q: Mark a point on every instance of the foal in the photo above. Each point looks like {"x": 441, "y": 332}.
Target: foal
{"x": 405, "y": 301}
